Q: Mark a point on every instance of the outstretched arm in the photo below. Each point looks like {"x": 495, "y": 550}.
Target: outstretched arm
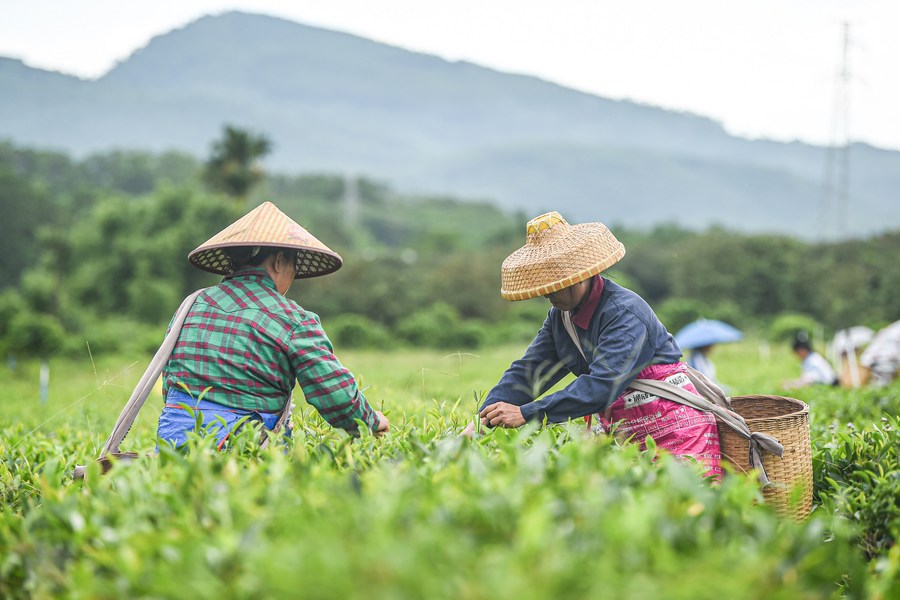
{"x": 526, "y": 379}
{"x": 538, "y": 370}
{"x": 621, "y": 353}
{"x": 326, "y": 383}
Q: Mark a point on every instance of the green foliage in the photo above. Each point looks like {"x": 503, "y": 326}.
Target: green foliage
{"x": 467, "y": 335}
{"x": 383, "y": 290}
{"x": 113, "y": 335}
{"x": 521, "y": 323}
{"x": 151, "y": 299}
{"x": 108, "y": 236}
{"x": 785, "y": 327}
{"x": 730, "y": 312}
{"x": 357, "y": 331}
{"x": 139, "y": 173}
{"x": 24, "y": 207}
{"x": 131, "y": 253}
{"x": 468, "y": 282}
{"x": 339, "y": 103}
{"x": 493, "y": 512}
{"x": 424, "y": 513}
{"x": 11, "y": 305}
{"x": 233, "y": 166}
{"x": 511, "y": 331}
{"x": 439, "y": 326}
{"x": 853, "y": 473}
{"x": 39, "y": 290}
{"x": 856, "y": 470}
{"x": 34, "y": 334}
{"x": 623, "y": 278}
{"x": 675, "y": 313}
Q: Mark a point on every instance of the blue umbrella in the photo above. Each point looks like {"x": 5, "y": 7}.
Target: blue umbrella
{"x": 706, "y": 332}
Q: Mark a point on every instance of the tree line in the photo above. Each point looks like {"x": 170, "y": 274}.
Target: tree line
{"x": 93, "y": 251}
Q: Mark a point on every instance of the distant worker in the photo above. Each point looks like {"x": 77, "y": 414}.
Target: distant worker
{"x": 604, "y": 334}
{"x": 700, "y": 337}
{"x": 815, "y": 369}
{"x": 244, "y": 345}
{"x": 698, "y": 358}
{"x": 846, "y": 347}
{"x": 882, "y": 356}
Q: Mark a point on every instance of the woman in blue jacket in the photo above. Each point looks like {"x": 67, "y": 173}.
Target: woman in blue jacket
{"x": 603, "y": 333}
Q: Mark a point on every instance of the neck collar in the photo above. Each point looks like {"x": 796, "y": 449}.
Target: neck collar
{"x": 582, "y": 315}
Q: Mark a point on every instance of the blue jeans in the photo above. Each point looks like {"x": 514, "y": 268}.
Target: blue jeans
{"x": 176, "y": 422}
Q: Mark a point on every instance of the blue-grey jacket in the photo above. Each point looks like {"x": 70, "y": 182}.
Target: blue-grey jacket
{"x": 624, "y": 337}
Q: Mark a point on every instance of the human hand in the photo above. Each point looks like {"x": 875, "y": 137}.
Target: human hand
{"x": 503, "y": 414}
{"x": 471, "y": 429}
{"x": 383, "y": 424}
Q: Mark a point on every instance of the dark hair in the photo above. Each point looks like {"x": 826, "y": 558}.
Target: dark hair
{"x": 244, "y": 256}
{"x": 801, "y": 342}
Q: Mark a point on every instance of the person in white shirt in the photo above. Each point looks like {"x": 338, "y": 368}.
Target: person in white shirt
{"x": 815, "y": 369}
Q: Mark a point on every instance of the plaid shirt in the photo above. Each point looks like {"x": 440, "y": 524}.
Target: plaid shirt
{"x": 247, "y": 343}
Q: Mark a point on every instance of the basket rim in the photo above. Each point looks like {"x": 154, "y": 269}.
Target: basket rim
{"x": 802, "y": 407}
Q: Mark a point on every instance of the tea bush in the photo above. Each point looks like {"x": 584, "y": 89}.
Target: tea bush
{"x": 440, "y": 326}
{"x": 785, "y": 327}
{"x": 854, "y": 478}
{"x": 421, "y": 512}
{"x": 418, "y": 514}
{"x": 357, "y": 331}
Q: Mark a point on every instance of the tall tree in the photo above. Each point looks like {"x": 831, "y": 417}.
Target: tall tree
{"x": 233, "y": 168}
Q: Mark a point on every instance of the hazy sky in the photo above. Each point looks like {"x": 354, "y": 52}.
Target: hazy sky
{"x": 766, "y": 68}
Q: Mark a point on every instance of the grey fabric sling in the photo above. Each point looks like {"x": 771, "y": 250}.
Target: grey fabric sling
{"x": 151, "y": 374}
{"x": 284, "y": 422}
{"x": 713, "y": 400}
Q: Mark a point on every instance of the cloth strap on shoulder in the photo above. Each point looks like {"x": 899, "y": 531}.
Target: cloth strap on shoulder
{"x": 570, "y": 329}
{"x": 282, "y": 423}
{"x": 145, "y": 385}
{"x": 758, "y": 442}
{"x": 154, "y": 370}
{"x": 712, "y": 399}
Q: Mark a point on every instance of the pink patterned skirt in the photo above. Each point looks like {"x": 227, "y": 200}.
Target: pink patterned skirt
{"x": 678, "y": 429}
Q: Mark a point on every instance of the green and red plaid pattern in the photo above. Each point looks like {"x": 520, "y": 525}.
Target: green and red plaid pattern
{"x": 248, "y": 344}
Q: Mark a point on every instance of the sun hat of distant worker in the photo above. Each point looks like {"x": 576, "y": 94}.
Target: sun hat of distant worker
{"x": 265, "y": 225}
{"x": 557, "y": 255}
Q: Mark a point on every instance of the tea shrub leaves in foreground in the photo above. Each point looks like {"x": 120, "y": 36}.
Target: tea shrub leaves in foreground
{"x": 423, "y": 513}
{"x": 516, "y": 514}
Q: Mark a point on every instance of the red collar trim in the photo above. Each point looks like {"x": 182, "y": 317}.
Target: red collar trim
{"x": 582, "y": 318}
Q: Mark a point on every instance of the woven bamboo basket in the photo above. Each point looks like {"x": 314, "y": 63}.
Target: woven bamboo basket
{"x": 787, "y": 420}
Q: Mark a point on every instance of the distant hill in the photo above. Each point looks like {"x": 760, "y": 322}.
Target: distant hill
{"x": 336, "y": 102}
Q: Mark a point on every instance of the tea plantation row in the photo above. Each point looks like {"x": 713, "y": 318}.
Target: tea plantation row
{"x": 422, "y": 513}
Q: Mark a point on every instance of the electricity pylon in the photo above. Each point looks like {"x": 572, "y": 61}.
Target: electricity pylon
{"x": 837, "y": 156}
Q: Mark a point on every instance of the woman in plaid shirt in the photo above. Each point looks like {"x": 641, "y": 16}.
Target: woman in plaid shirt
{"x": 244, "y": 345}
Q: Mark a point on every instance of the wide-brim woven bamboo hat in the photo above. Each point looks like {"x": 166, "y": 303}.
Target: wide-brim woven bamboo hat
{"x": 265, "y": 225}
{"x": 557, "y": 255}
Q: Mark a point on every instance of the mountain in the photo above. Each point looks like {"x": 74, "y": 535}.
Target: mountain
{"x": 335, "y": 102}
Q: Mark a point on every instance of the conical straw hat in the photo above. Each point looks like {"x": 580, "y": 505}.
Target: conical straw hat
{"x": 557, "y": 255}
{"x": 265, "y": 225}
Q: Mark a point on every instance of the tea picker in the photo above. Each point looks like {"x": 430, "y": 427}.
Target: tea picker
{"x": 627, "y": 367}
{"x": 235, "y": 351}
